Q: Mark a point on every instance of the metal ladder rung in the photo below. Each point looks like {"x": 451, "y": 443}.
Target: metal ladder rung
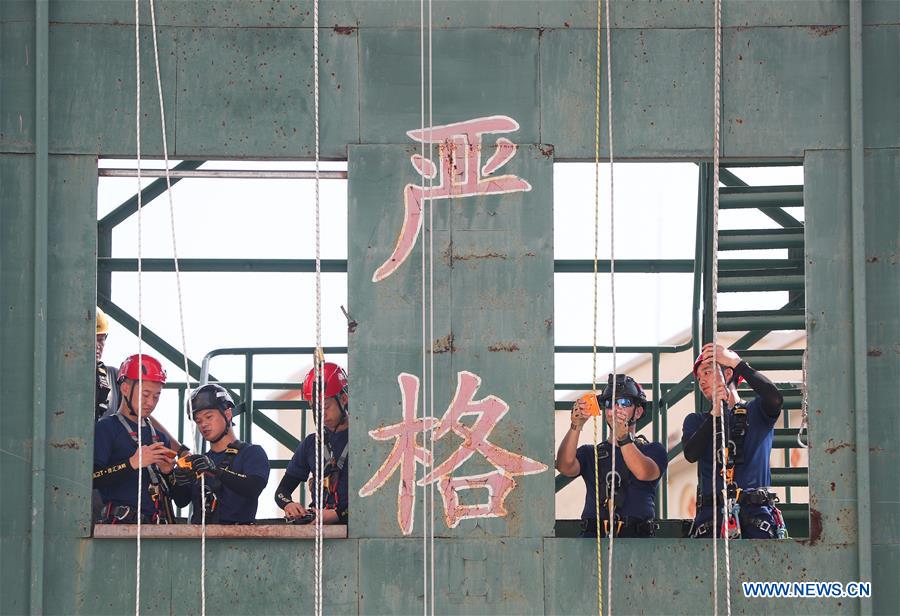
{"x": 739, "y": 197}
{"x": 761, "y": 319}
{"x": 760, "y": 239}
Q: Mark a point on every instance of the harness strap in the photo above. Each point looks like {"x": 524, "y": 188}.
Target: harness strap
{"x": 152, "y": 470}
{"x": 625, "y": 475}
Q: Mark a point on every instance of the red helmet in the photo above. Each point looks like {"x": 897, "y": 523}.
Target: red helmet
{"x": 333, "y": 376}
{"x": 699, "y": 361}
{"x": 145, "y": 367}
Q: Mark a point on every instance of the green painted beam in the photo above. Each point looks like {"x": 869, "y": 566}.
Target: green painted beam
{"x": 771, "y": 320}
{"x": 760, "y": 239}
{"x": 727, "y": 266}
{"x": 275, "y": 431}
{"x": 624, "y": 266}
{"x": 858, "y": 259}
{"x": 328, "y": 266}
{"x": 281, "y": 405}
{"x": 40, "y": 261}
{"x": 586, "y": 348}
{"x": 785, "y": 438}
{"x": 741, "y": 197}
{"x": 789, "y": 476}
{"x": 746, "y": 284}
{"x": 148, "y": 194}
{"x": 777, "y": 214}
{"x": 150, "y": 337}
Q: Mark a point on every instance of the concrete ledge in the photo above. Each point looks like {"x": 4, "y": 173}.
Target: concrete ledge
{"x": 213, "y": 531}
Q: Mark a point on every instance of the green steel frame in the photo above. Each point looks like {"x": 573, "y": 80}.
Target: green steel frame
{"x": 744, "y": 274}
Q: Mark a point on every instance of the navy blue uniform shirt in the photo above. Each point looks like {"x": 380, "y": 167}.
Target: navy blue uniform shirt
{"x": 638, "y": 494}
{"x": 113, "y": 445}
{"x": 234, "y": 508}
{"x": 303, "y": 464}
{"x": 754, "y": 472}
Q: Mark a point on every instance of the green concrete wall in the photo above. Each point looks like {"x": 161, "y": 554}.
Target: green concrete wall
{"x": 237, "y": 82}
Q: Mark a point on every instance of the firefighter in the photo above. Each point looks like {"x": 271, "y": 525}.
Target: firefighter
{"x": 107, "y": 396}
{"x": 116, "y": 440}
{"x": 334, "y": 448}
{"x": 235, "y": 472}
{"x": 639, "y": 463}
{"x": 748, "y": 508}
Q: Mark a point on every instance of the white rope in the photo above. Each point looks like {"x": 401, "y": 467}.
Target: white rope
{"x": 140, "y": 421}
{"x": 427, "y": 337}
{"x": 172, "y": 227}
{"x": 714, "y": 308}
{"x": 803, "y": 432}
{"x": 431, "y": 296}
{"x": 599, "y": 558}
{"x": 318, "y": 362}
{"x": 612, "y": 293}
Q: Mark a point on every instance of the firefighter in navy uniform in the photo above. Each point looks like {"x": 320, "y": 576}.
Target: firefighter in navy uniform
{"x": 639, "y": 463}
{"x": 333, "y": 447}
{"x": 116, "y": 457}
{"x": 107, "y": 394}
{"x": 235, "y": 472}
{"x": 749, "y": 509}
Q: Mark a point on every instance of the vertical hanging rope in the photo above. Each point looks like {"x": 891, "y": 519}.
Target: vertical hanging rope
{"x": 715, "y": 283}
{"x": 594, "y": 339}
{"x": 431, "y": 307}
{"x": 140, "y": 421}
{"x": 317, "y": 361}
{"x": 425, "y": 340}
{"x": 612, "y": 294}
{"x": 172, "y": 227}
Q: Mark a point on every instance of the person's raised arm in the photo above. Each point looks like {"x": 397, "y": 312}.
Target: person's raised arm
{"x": 566, "y": 459}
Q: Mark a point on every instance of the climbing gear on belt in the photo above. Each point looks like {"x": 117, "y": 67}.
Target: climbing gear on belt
{"x": 624, "y": 527}
{"x": 125, "y": 514}
{"x": 212, "y": 485}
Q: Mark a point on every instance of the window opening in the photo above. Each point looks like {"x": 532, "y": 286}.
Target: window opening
{"x": 761, "y": 308}
{"x": 248, "y": 284}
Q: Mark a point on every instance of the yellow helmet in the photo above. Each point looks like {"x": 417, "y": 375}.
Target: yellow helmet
{"x": 102, "y": 322}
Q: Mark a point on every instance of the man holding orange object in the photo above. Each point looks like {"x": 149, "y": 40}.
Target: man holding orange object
{"x": 116, "y": 441}
{"x": 629, "y": 492}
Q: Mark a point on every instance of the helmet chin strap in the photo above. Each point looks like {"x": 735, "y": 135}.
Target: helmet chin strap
{"x": 345, "y": 416}
{"x": 130, "y": 406}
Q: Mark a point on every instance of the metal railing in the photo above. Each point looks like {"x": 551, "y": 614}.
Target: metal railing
{"x": 736, "y": 275}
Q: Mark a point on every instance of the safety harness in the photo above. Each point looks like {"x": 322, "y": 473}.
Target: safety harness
{"x": 103, "y": 390}
{"x": 163, "y": 511}
{"x": 616, "y": 487}
{"x": 735, "y": 496}
{"x": 331, "y": 477}
{"x": 212, "y": 486}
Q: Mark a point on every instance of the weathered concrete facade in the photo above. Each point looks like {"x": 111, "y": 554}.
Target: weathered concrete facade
{"x": 237, "y": 83}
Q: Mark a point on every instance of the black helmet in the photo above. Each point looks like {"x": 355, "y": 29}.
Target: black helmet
{"x": 211, "y": 396}
{"x": 625, "y": 386}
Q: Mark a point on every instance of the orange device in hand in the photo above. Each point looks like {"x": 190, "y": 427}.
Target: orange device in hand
{"x": 184, "y": 462}
{"x": 590, "y": 403}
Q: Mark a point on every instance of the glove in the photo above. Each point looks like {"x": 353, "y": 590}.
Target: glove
{"x": 201, "y": 463}
{"x": 183, "y": 476}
